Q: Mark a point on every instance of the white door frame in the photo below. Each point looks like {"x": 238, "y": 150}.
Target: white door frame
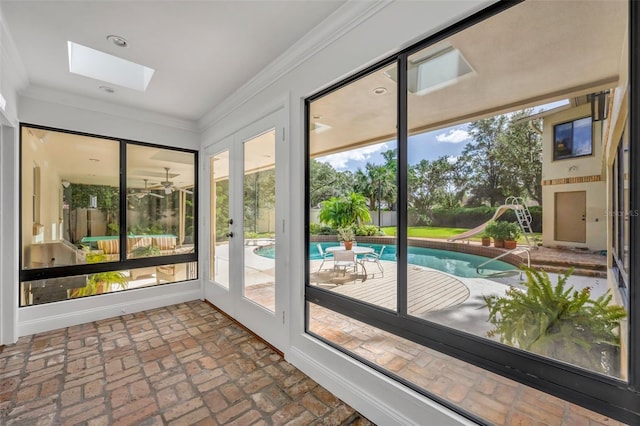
{"x": 270, "y": 326}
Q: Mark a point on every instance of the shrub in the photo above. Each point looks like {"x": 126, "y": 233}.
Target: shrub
{"x": 368, "y": 230}
{"x": 558, "y": 322}
{"x": 498, "y": 230}
{"x": 470, "y": 217}
{"x": 317, "y": 229}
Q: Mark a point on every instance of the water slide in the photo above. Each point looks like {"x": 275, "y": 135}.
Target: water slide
{"x": 478, "y": 229}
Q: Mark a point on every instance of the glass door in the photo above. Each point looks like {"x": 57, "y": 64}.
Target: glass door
{"x": 246, "y": 227}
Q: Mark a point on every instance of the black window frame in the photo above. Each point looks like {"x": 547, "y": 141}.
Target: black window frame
{"x": 26, "y": 275}
{"x": 607, "y": 395}
{"x": 556, "y": 157}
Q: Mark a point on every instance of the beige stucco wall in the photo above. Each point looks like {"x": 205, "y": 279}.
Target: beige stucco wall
{"x": 596, "y": 203}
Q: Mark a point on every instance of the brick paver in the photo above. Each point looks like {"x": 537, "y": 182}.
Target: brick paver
{"x": 183, "y": 364}
{"x": 496, "y": 399}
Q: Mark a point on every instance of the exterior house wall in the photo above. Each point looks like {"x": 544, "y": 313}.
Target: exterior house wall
{"x": 618, "y": 125}
{"x": 573, "y": 171}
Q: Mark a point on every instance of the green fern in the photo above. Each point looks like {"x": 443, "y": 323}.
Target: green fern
{"x": 556, "y": 321}
{"x": 102, "y": 282}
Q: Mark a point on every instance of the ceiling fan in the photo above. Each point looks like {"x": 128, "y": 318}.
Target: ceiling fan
{"x": 169, "y": 187}
{"x": 144, "y": 192}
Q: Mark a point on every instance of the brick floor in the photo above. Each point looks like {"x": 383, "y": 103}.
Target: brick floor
{"x": 179, "y": 365}
{"x": 496, "y": 399}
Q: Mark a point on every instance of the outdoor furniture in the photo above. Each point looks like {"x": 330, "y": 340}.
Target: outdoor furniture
{"x": 325, "y": 256}
{"x": 358, "y": 251}
{"x": 374, "y": 258}
{"x": 343, "y": 260}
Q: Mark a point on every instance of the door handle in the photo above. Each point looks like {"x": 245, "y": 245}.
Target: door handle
{"x": 229, "y": 234}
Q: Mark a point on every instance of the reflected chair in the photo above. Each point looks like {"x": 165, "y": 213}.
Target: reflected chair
{"x": 325, "y": 256}
{"x": 375, "y": 258}
{"x": 344, "y": 260}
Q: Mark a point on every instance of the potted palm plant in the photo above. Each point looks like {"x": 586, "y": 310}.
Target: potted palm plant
{"x": 498, "y": 231}
{"x": 347, "y": 235}
{"x": 512, "y": 233}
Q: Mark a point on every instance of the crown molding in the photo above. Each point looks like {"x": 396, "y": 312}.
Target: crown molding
{"x": 76, "y": 101}
{"x": 343, "y": 20}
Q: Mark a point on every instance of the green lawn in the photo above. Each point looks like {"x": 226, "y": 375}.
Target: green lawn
{"x": 441, "y": 233}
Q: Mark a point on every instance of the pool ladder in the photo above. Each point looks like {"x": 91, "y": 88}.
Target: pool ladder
{"x": 526, "y": 250}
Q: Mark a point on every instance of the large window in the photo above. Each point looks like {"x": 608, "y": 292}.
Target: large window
{"x": 84, "y": 205}
{"x": 572, "y": 139}
{"x": 470, "y": 238}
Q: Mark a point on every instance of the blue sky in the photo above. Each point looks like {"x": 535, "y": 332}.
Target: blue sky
{"x": 447, "y": 142}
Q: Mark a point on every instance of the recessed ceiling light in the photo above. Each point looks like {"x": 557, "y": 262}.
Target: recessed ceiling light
{"x": 117, "y": 40}
{"x": 380, "y": 90}
{"x": 107, "y": 89}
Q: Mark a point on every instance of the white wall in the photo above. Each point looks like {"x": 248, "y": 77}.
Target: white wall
{"x": 69, "y": 112}
{"x": 388, "y": 29}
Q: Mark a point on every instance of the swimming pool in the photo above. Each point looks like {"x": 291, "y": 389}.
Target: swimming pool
{"x": 452, "y": 262}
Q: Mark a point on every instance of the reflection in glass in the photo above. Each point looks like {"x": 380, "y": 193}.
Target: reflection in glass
{"x": 66, "y": 288}
{"x": 219, "y": 268}
{"x": 159, "y": 201}
{"x": 260, "y": 217}
{"x": 70, "y": 196}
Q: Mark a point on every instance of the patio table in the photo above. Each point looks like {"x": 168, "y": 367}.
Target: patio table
{"x": 358, "y": 251}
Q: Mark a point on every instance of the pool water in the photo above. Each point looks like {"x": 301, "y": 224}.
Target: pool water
{"x": 451, "y": 262}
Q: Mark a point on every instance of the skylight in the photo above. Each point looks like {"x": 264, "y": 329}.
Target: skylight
{"x": 433, "y": 70}
{"x": 105, "y": 67}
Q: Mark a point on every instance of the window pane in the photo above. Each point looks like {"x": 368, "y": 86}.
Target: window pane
{"x": 160, "y": 201}
{"x": 70, "y": 186}
{"x": 353, "y": 189}
{"x": 219, "y": 269}
{"x": 482, "y": 165}
{"x": 66, "y": 288}
{"x": 260, "y": 219}
{"x": 496, "y": 399}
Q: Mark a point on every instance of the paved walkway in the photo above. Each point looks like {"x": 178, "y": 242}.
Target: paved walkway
{"x": 180, "y": 365}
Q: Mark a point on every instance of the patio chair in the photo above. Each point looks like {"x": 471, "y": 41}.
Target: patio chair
{"x": 325, "y": 256}
{"x": 374, "y": 258}
{"x": 343, "y": 260}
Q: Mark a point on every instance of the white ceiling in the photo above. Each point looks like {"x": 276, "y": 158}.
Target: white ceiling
{"x": 202, "y": 51}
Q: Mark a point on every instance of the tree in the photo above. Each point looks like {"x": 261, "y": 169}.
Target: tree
{"x": 430, "y": 184}
{"x": 326, "y": 182}
{"x": 504, "y": 159}
{"x": 259, "y": 197}
{"x": 480, "y": 161}
{"x": 376, "y": 183}
{"x": 345, "y": 211}
{"x": 523, "y": 155}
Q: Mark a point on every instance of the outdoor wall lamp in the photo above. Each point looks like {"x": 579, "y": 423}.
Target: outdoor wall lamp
{"x": 599, "y": 105}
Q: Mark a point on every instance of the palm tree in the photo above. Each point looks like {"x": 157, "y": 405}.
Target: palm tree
{"x": 344, "y": 211}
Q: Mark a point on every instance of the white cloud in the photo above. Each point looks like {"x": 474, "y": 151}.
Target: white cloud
{"x": 339, "y": 160}
{"x": 453, "y": 136}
